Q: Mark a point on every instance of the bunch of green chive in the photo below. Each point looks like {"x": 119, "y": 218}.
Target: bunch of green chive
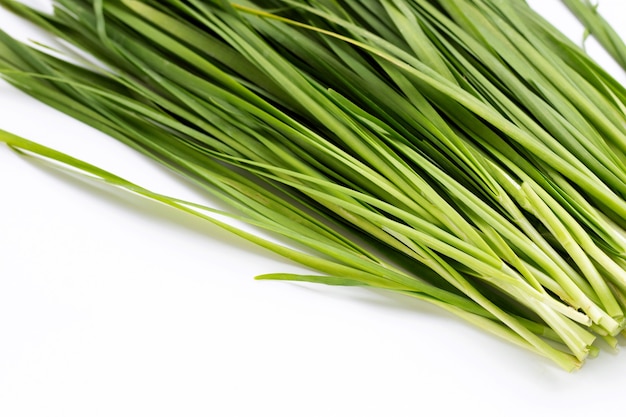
{"x": 463, "y": 152}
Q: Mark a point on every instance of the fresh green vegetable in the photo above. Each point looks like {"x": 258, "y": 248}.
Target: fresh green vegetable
{"x": 477, "y": 153}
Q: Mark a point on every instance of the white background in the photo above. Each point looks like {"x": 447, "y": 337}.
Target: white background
{"x": 114, "y": 306}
